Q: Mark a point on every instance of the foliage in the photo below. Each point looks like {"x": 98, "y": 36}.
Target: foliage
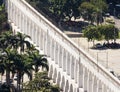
{"x": 87, "y": 10}
{"x": 92, "y": 33}
{"x": 41, "y": 83}
{"x": 3, "y": 19}
{"x": 18, "y": 56}
{"x": 107, "y": 32}
{"x": 93, "y": 10}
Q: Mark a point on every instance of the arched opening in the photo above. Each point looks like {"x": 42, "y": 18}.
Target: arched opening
{"x": 72, "y": 63}
{"x": 62, "y": 83}
{"x": 95, "y": 85}
{"x": 90, "y": 82}
{"x": 50, "y": 71}
{"x": 85, "y": 79}
{"x": 100, "y": 86}
{"x": 68, "y": 64}
{"x": 58, "y": 79}
{"x": 64, "y": 60}
{"x": 54, "y": 75}
{"x": 80, "y": 75}
{"x": 76, "y": 71}
{"x": 71, "y": 88}
{"x": 67, "y": 86}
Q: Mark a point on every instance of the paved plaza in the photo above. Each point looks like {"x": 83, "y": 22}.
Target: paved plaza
{"x": 109, "y": 58}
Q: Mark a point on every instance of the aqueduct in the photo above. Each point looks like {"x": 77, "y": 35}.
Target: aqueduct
{"x": 70, "y": 66}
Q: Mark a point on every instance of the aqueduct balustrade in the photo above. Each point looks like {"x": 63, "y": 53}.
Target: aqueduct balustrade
{"x": 70, "y": 66}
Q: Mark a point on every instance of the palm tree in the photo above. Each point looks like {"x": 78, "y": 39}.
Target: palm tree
{"x": 43, "y": 85}
{"x": 38, "y": 60}
{"x": 2, "y": 69}
{"x": 8, "y": 62}
{"x": 22, "y": 42}
{"x": 22, "y": 65}
{"x": 6, "y": 39}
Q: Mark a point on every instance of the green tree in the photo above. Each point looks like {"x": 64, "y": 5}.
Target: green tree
{"x": 22, "y": 42}
{"x": 70, "y": 9}
{"x": 110, "y": 32}
{"x": 87, "y": 10}
{"x": 22, "y": 65}
{"x": 40, "y": 83}
{"x": 92, "y": 33}
{"x": 93, "y": 10}
{"x": 38, "y": 60}
{"x": 8, "y": 62}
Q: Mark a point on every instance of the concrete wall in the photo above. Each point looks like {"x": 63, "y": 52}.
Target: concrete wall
{"x": 70, "y": 67}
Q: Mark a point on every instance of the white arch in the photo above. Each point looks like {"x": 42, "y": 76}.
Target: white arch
{"x": 72, "y": 67}
{"x": 80, "y": 75}
{"x": 58, "y": 79}
{"x": 99, "y": 86}
{"x": 95, "y": 84}
{"x": 67, "y": 86}
{"x": 50, "y": 71}
{"x": 85, "y": 78}
{"x": 60, "y": 56}
{"x": 68, "y": 64}
{"x": 90, "y": 82}
{"x": 71, "y": 88}
{"x": 54, "y": 75}
{"x": 62, "y": 82}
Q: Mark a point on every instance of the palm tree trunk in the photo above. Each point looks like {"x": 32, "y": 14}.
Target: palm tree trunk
{"x": 8, "y": 77}
{"x": 18, "y": 82}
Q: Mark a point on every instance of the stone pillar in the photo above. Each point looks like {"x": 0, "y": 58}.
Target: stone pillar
{"x": 58, "y": 79}
{"x": 60, "y": 57}
{"x": 22, "y": 17}
{"x": 48, "y": 44}
{"x": 64, "y": 61}
{"x": 29, "y": 26}
{"x": 50, "y": 73}
{"x": 32, "y": 31}
{"x": 54, "y": 75}
{"x": 12, "y": 12}
{"x": 72, "y": 61}
{"x": 15, "y": 15}
{"x": 53, "y": 50}
{"x": 76, "y": 70}
{"x": 62, "y": 84}
{"x": 40, "y": 38}
{"x": 90, "y": 83}
{"x": 85, "y": 76}
{"x": 8, "y": 9}
{"x": 99, "y": 86}
{"x": 95, "y": 85}
{"x": 66, "y": 89}
{"x": 68, "y": 64}
{"x": 80, "y": 76}
{"x": 37, "y": 37}
{"x": 56, "y": 53}
{"x": 26, "y": 26}
{"x": 19, "y": 20}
